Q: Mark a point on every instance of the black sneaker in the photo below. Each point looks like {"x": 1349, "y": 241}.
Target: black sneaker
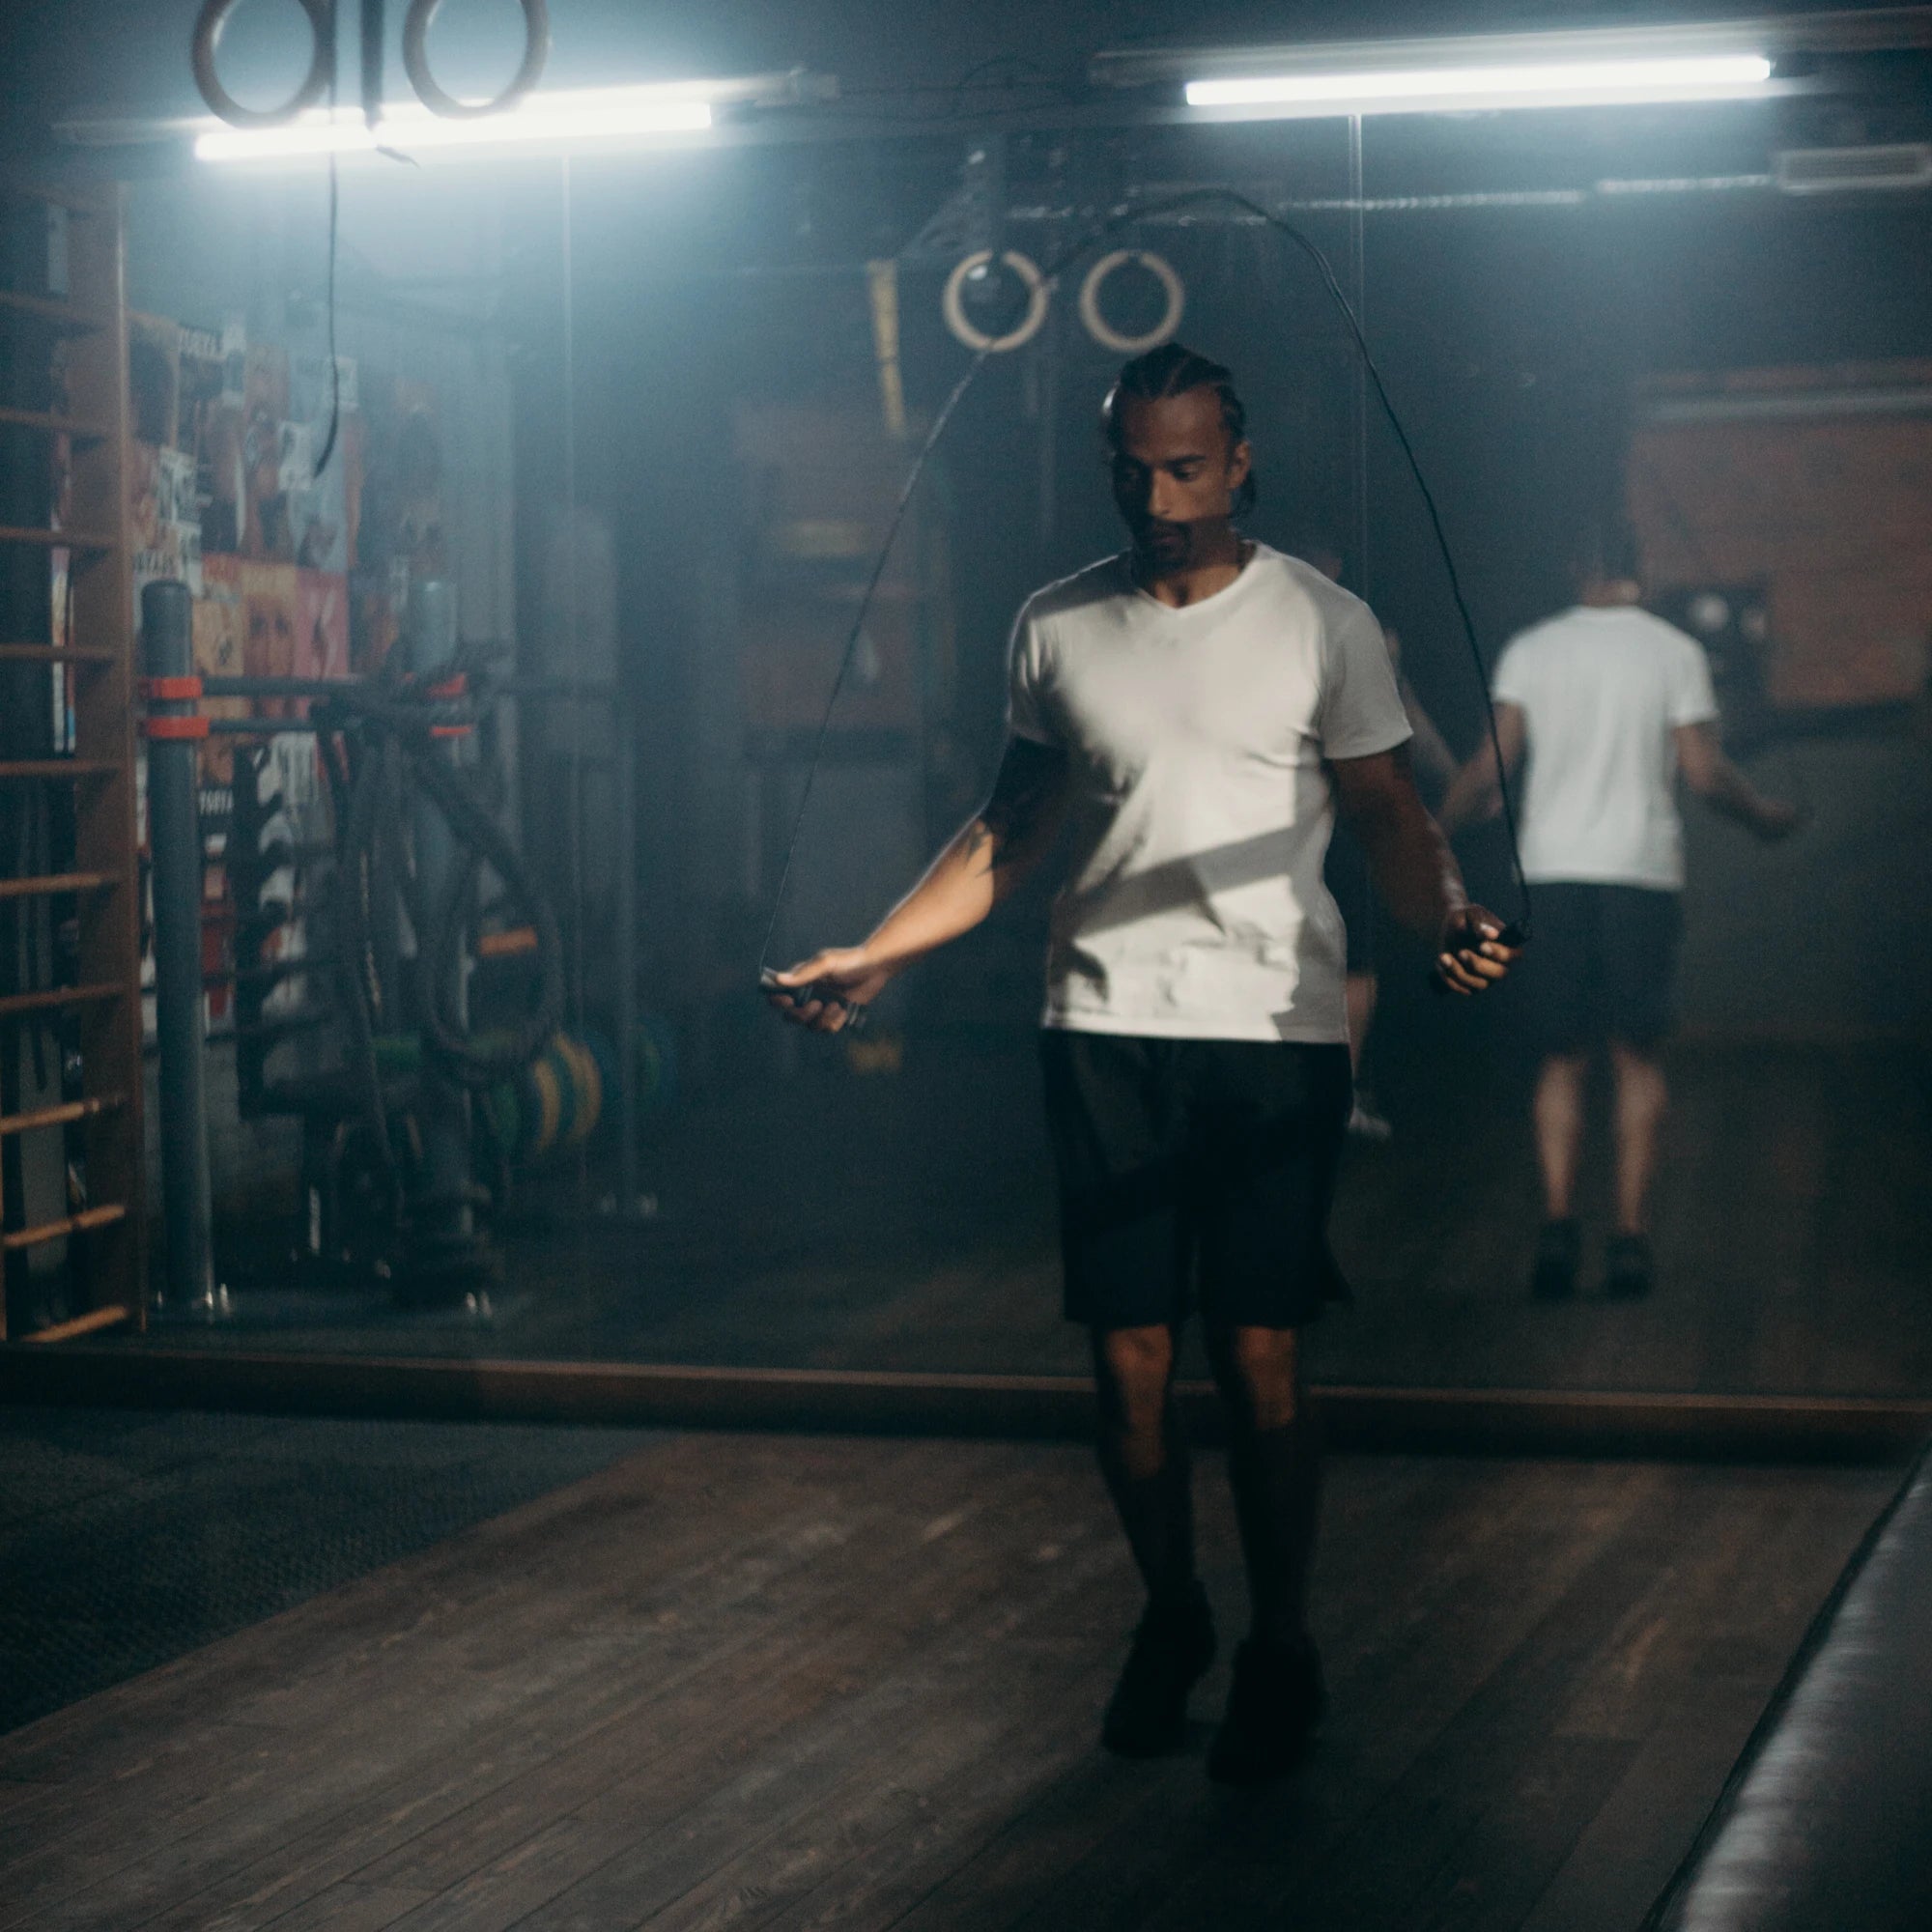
{"x": 1629, "y": 1273}
{"x": 1557, "y": 1250}
{"x": 1147, "y": 1715}
{"x": 1276, "y": 1700}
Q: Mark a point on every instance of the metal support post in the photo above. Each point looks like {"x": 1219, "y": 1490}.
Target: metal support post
{"x": 445, "y": 1239}
{"x": 173, "y": 834}
{"x": 625, "y": 724}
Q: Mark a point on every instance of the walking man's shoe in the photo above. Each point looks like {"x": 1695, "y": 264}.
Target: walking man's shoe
{"x": 1147, "y": 1715}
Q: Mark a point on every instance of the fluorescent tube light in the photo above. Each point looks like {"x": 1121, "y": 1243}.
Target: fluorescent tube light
{"x": 1529, "y": 84}
{"x": 314, "y": 132}
{"x": 578, "y": 116}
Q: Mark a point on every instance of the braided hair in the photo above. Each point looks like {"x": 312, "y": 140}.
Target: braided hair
{"x": 1172, "y": 370}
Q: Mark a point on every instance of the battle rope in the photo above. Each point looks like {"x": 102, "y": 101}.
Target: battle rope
{"x": 397, "y": 725}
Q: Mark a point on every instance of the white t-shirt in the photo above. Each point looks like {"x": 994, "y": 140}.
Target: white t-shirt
{"x": 1200, "y": 804}
{"x": 1600, "y": 693}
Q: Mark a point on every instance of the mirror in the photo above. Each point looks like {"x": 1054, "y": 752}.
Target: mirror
{"x": 649, "y": 415}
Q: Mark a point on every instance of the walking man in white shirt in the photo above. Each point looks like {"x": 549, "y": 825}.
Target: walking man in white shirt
{"x": 1194, "y": 711}
{"x": 1608, "y": 705}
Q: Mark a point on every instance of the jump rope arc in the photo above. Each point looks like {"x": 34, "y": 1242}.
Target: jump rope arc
{"x": 1082, "y": 243}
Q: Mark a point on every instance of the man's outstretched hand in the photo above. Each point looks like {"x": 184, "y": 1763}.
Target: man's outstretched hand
{"x": 846, "y": 973}
{"x": 1470, "y": 953}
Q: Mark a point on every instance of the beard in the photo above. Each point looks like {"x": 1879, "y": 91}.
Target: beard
{"x": 1163, "y": 549}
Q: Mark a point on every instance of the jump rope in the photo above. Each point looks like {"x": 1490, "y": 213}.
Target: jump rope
{"x": 1516, "y": 932}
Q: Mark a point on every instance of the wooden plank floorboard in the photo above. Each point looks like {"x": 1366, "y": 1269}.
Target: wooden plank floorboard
{"x": 442, "y": 1810}
{"x": 980, "y": 1712}
{"x": 1148, "y": 1832}
{"x": 1625, "y": 1852}
{"x": 766, "y": 1712}
{"x": 894, "y": 1869}
{"x": 1456, "y": 1838}
{"x": 1401, "y": 1661}
{"x": 1428, "y": 1839}
{"x": 1721, "y": 1636}
{"x": 708, "y": 1602}
{"x": 520, "y": 1557}
{"x": 319, "y": 1742}
{"x": 649, "y": 1837}
{"x": 1148, "y": 1854}
{"x": 346, "y": 1907}
{"x": 1392, "y": 1672}
{"x": 710, "y": 1708}
{"x": 796, "y": 1686}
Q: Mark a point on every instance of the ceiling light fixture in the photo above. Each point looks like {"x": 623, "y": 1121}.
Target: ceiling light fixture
{"x": 579, "y": 117}
{"x": 1723, "y": 60}
{"x": 1411, "y": 90}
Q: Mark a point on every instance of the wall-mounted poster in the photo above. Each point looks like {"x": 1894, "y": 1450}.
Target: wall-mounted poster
{"x": 210, "y": 430}
{"x": 321, "y": 624}
{"x": 228, "y": 491}
{"x": 266, "y": 532}
{"x": 220, "y": 631}
{"x": 272, "y": 621}
{"x": 163, "y": 512}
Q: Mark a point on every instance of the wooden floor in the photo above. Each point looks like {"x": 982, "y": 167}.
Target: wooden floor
{"x": 815, "y": 1683}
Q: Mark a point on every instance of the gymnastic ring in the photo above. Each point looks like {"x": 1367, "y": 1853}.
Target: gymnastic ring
{"x": 415, "y": 61}
{"x": 954, "y": 308}
{"x": 1098, "y": 326}
{"x": 321, "y": 66}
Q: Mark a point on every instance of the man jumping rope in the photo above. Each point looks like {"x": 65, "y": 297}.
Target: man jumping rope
{"x": 1194, "y": 710}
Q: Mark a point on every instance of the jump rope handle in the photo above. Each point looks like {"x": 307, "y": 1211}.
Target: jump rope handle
{"x": 803, "y": 996}
{"x": 1513, "y": 934}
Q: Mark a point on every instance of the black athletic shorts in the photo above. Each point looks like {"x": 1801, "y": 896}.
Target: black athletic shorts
{"x": 1345, "y": 871}
{"x": 1603, "y": 965}
{"x": 1187, "y": 1162}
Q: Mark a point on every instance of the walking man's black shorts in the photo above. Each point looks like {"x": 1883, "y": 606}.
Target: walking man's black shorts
{"x": 1604, "y": 965}
{"x": 1193, "y": 1165}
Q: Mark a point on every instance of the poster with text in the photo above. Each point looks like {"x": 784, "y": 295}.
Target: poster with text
{"x": 266, "y": 533}
{"x": 321, "y": 624}
{"x": 221, "y": 632}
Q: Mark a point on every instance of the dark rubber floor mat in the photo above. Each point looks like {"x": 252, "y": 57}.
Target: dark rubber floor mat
{"x": 130, "y": 1538}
